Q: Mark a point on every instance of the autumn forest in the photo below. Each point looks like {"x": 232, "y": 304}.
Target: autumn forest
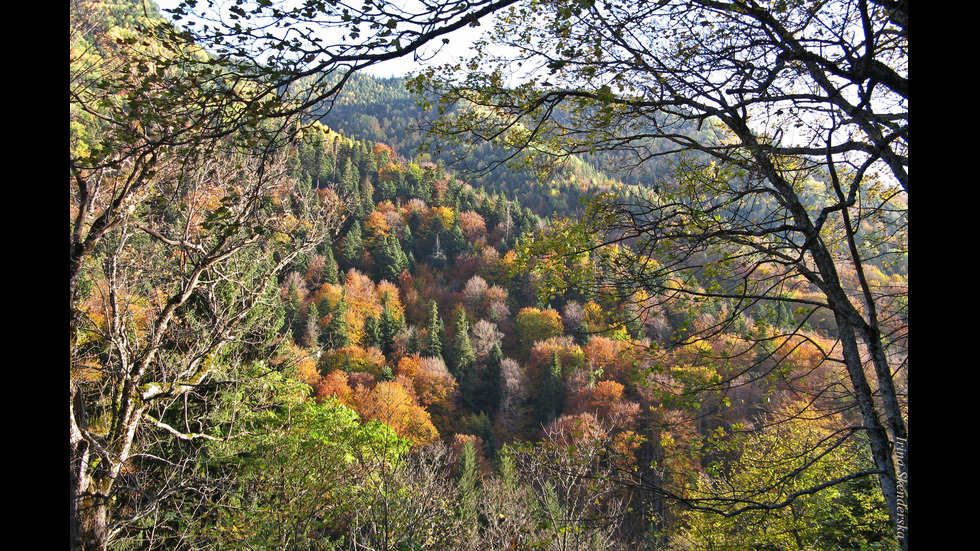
{"x": 624, "y": 277}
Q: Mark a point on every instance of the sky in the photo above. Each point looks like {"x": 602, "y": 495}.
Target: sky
{"x": 433, "y": 54}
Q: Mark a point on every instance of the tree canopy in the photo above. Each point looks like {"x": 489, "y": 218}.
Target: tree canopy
{"x": 733, "y": 334}
{"x": 785, "y": 125}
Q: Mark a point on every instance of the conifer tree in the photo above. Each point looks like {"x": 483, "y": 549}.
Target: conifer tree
{"x": 372, "y": 336}
{"x": 487, "y": 392}
{"x": 311, "y": 329}
{"x": 293, "y": 308}
{"x": 408, "y": 242}
{"x": 413, "y": 341}
{"x": 551, "y": 400}
{"x": 467, "y": 483}
{"x": 388, "y": 328}
{"x": 432, "y": 344}
{"x": 336, "y": 335}
{"x": 455, "y": 240}
{"x": 460, "y": 355}
{"x": 330, "y": 274}
{"x": 366, "y": 194}
{"x": 349, "y": 183}
{"x": 389, "y": 259}
{"x": 350, "y": 253}
{"x": 367, "y": 164}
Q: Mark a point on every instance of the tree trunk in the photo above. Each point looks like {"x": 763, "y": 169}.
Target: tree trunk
{"x": 88, "y": 506}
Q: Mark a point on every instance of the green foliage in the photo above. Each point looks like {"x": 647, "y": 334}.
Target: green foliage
{"x": 799, "y": 489}
{"x": 467, "y": 483}
{"x": 551, "y": 399}
{"x": 432, "y": 344}
{"x": 390, "y": 325}
{"x": 459, "y": 354}
{"x": 535, "y": 325}
{"x": 304, "y": 476}
{"x": 350, "y": 251}
{"x": 389, "y": 259}
{"x": 486, "y": 386}
{"x": 335, "y": 335}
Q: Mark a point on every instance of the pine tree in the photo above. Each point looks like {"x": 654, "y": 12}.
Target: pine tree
{"x": 349, "y": 179}
{"x": 455, "y": 241}
{"x": 366, "y": 195}
{"x": 486, "y": 397}
{"x": 467, "y": 484}
{"x": 293, "y": 308}
{"x": 371, "y": 333}
{"x": 460, "y": 355}
{"x": 350, "y": 253}
{"x": 336, "y": 335}
{"x": 389, "y": 259}
{"x": 311, "y": 329}
{"x": 388, "y": 328}
{"x": 551, "y": 401}
{"x": 432, "y": 344}
{"x": 408, "y": 241}
{"x": 413, "y": 341}
{"x": 330, "y": 274}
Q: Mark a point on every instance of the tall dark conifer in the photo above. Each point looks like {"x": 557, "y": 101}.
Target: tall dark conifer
{"x": 551, "y": 400}
{"x": 350, "y": 252}
{"x": 460, "y": 356}
{"x": 335, "y": 335}
{"x": 432, "y": 344}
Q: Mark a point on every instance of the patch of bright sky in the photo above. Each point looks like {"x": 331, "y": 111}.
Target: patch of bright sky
{"x": 433, "y": 54}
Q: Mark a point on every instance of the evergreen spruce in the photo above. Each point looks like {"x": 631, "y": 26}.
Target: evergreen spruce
{"x": 490, "y": 387}
{"x": 467, "y": 484}
{"x": 336, "y": 335}
{"x": 460, "y": 356}
{"x": 372, "y": 336}
{"x": 551, "y": 400}
{"x": 388, "y": 328}
{"x": 330, "y": 273}
{"x": 432, "y": 344}
{"x": 293, "y": 311}
{"x": 350, "y": 253}
{"x": 389, "y": 259}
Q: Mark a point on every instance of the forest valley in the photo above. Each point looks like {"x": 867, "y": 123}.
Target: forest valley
{"x": 652, "y": 295}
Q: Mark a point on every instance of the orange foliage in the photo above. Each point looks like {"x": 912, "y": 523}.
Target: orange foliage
{"x": 306, "y": 371}
{"x": 571, "y": 430}
{"x": 361, "y": 303}
{"x": 392, "y": 404}
{"x": 331, "y": 293}
{"x": 433, "y": 383}
{"x": 569, "y": 354}
{"x": 380, "y": 150}
{"x": 473, "y": 225}
{"x": 375, "y": 226}
{"x": 616, "y": 359}
{"x": 409, "y": 366}
{"x": 387, "y": 291}
{"x": 415, "y": 207}
{"x": 334, "y": 384}
{"x": 604, "y": 400}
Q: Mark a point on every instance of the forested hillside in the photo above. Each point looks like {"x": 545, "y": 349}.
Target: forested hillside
{"x": 601, "y": 308}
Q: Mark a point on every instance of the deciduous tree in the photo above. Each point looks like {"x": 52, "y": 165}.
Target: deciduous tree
{"x": 787, "y": 126}
{"x": 178, "y": 228}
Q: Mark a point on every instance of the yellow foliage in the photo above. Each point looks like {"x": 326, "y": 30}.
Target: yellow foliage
{"x": 393, "y": 405}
